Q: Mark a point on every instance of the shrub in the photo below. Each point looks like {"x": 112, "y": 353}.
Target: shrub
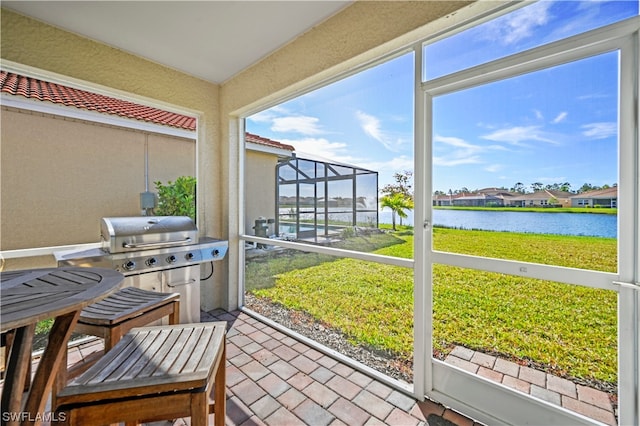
{"x": 177, "y": 198}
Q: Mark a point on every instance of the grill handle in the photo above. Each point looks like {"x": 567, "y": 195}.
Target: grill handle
{"x": 178, "y": 284}
{"x": 160, "y": 244}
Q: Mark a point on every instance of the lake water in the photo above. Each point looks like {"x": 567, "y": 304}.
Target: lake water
{"x": 597, "y": 225}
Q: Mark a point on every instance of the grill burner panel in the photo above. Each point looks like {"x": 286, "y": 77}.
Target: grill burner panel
{"x": 128, "y": 263}
{"x": 138, "y": 244}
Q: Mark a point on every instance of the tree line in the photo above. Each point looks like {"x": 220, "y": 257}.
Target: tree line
{"x": 520, "y": 188}
{"x": 398, "y": 196}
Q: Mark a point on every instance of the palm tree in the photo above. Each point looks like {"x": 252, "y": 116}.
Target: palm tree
{"x": 398, "y": 203}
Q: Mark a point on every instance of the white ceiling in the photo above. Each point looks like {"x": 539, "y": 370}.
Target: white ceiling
{"x": 212, "y": 40}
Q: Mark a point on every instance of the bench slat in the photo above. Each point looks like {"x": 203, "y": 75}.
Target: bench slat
{"x": 143, "y": 362}
{"x": 125, "y": 304}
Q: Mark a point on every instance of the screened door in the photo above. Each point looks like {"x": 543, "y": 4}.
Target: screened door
{"x": 508, "y": 321}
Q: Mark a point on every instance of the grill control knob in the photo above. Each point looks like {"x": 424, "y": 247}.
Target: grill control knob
{"x": 151, "y": 261}
{"x": 189, "y": 256}
{"x": 129, "y": 265}
{"x": 172, "y": 259}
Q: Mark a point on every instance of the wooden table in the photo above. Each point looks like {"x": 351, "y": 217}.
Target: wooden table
{"x": 27, "y": 297}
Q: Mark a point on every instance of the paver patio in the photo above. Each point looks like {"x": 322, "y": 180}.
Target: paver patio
{"x": 273, "y": 379}
{"x": 590, "y": 402}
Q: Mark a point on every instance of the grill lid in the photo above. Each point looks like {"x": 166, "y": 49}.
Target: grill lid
{"x": 123, "y": 234}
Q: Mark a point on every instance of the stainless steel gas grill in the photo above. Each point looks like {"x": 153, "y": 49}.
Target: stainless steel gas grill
{"x": 160, "y": 253}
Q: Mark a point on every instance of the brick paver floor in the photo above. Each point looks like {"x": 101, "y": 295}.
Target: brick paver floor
{"x": 556, "y": 390}
{"x": 273, "y": 379}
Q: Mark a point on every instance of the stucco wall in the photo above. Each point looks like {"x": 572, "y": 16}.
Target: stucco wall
{"x": 67, "y": 174}
{"x": 260, "y": 187}
{"x": 32, "y": 43}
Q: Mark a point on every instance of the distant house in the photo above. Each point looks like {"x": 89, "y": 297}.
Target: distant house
{"x": 543, "y": 198}
{"x": 598, "y": 198}
{"x": 442, "y": 200}
{"x": 499, "y": 195}
{"x": 477, "y": 200}
{"x": 487, "y": 197}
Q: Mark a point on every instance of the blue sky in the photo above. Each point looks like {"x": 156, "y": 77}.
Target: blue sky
{"x": 553, "y": 126}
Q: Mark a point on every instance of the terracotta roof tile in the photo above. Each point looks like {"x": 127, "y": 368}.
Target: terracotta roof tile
{"x": 33, "y": 88}
{"x": 250, "y": 137}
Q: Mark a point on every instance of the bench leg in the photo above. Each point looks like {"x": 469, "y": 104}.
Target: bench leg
{"x": 220, "y": 389}
{"x": 199, "y": 409}
{"x": 112, "y": 337}
{"x": 174, "y": 317}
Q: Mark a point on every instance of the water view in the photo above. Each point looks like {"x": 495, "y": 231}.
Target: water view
{"x": 595, "y": 225}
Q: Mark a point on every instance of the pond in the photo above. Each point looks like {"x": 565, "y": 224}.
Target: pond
{"x": 596, "y": 225}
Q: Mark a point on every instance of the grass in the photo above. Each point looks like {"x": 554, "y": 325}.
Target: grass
{"x": 568, "y": 329}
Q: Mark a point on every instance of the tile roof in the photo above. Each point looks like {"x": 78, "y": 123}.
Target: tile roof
{"x": 599, "y": 193}
{"x": 544, "y": 194}
{"x": 33, "y": 88}
{"x": 250, "y": 137}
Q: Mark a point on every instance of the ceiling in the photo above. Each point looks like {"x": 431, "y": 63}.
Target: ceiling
{"x": 212, "y": 40}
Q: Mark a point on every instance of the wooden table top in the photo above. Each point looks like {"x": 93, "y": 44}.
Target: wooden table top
{"x": 29, "y": 296}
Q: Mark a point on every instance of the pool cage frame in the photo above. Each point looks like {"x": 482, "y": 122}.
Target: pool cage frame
{"x": 309, "y": 214}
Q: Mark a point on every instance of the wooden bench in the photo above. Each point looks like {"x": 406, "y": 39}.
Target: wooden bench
{"x": 153, "y": 373}
{"x": 130, "y": 307}
{"x": 114, "y": 316}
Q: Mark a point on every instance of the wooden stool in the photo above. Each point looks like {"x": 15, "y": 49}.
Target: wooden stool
{"x": 114, "y": 316}
{"x": 153, "y": 373}
{"x": 130, "y": 307}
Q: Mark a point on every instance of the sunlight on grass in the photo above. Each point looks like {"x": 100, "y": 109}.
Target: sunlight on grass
{"x": 568, "y": 329}
{"x": 367, "y": 301}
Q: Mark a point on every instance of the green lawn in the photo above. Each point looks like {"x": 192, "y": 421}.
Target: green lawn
{"x": 568, "y": 329}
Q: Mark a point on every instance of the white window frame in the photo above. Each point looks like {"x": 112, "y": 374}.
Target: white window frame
{"x": 473, "y": 395}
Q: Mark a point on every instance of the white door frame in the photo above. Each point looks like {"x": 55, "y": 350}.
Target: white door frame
{"x": 473, "y": 395}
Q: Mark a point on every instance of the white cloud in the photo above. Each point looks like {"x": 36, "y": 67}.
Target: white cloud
{"x": 538, "y": 114}
{"x": 600, "y": 130}
{"x": 518, "y": 134}
{"x": 372, "y": 127}
{"x": 560, "y": 117}
{"x": 285, "y": 121}
{"x": 297, "y": 124}
{"x": 593, "y": 96}
{"x": 518, "y": 25}
{"x": 494, "y": 168}
{"x": 391, "y": 166}
{"x": 456, "y": 142}
{"x": 268, "y": 115}
{"x": 462, "y": 153}
{"x": 320, "y": 147}
{"x": 455, "y": 160}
